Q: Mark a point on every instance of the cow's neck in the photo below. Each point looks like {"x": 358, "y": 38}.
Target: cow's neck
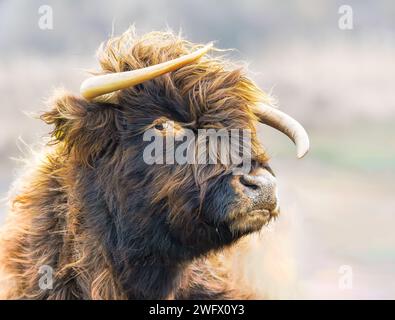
{"x": 145, "y": 271}
{"x": 153, "y": 281}
{"x": 144, "y": 258}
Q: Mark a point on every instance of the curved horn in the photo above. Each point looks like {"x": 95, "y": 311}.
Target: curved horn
{"x": 287, "y": 125}
{"x": 100, "y": 85}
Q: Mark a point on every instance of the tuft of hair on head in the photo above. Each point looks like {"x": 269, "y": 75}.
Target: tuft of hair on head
{"x": 210, "y": 92}
{"x": 208, "y": 84}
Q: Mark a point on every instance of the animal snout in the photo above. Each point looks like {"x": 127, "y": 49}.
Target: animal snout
{"x": 259, "y": 187}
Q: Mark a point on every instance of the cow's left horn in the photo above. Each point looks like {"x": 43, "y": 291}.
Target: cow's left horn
{"x": 286, "y": 124}
{"x": 103, "y": 84}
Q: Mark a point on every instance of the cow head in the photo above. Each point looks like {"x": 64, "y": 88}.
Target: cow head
{"x": 165, "y": 85}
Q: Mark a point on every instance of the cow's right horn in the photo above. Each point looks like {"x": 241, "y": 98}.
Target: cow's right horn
{"x": 286, "y": 124}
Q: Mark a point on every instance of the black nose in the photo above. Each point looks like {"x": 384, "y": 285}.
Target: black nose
{"x": 250, "y": 182}
{"x": 258, "y": 179}
{"x": 259, "y": 186}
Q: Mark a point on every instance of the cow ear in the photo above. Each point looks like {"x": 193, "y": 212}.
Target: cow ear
{"x": 84, "y": 128}
{"x": 65, "y": 114}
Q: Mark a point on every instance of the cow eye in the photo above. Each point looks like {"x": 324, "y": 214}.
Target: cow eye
{"x": 165, "y": 126}
{"x": 159, "y": 126}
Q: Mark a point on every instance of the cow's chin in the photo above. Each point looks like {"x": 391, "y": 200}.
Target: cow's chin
{"x": 251, "y": 221}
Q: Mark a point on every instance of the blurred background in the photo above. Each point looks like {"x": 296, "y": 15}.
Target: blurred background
{"x": 339, "y": 83}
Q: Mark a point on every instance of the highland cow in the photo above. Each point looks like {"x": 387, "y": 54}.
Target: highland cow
{"x": 111, "y": 226}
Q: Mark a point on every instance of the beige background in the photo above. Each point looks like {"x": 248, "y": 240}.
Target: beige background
{"x": 339, "y": 200}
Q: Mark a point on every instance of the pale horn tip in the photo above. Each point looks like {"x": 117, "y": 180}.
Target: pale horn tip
{"x": 303, "y": 148}
{"x": 202, "y": 51}
{"x": 302, "y": 140}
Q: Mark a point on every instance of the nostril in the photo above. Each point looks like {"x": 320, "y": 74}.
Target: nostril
{"x": 248, "y": 183}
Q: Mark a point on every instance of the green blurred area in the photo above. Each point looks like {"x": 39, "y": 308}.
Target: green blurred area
{"x": 365, "y": 148}
{"x": 369, "y": 148}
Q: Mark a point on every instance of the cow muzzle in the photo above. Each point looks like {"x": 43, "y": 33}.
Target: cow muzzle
{"x": 256, "y": 200}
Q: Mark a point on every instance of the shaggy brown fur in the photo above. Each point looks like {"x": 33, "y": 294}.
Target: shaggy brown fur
{"x": 113, "y": 227}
